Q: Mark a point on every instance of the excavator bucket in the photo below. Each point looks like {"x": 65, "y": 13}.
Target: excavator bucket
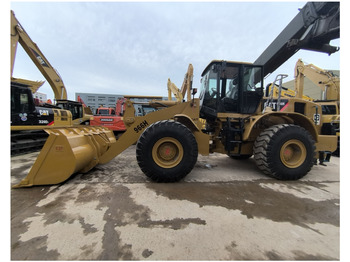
{"x": 67, "y": 151}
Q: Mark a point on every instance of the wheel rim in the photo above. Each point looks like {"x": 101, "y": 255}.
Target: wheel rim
{"x": 293, "y": 153}
{"x": 167, "y": 152}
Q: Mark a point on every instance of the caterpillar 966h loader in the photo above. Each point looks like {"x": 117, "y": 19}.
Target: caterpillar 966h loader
{"x": 284, "y": 143}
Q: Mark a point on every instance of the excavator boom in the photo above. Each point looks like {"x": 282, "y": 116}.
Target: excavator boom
{"x": 81, "y": 115}
{"x": 19, "y": 35}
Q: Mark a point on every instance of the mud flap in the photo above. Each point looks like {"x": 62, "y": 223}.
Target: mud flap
{"x": 67, "y": 151}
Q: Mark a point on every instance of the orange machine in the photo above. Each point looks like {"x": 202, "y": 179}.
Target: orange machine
{"x": 110, "y": 117}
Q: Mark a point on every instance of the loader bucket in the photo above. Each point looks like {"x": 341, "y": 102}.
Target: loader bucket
{"x": 67, "y": 151}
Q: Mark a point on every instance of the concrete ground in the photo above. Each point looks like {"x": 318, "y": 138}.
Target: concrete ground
{"x": 225, "y": 209}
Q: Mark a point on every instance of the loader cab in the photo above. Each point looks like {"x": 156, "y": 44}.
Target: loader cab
{"x": 230, "y": 87}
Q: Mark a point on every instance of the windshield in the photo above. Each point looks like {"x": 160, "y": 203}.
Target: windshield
{"x": 252, "y": 78}
{"x": 103, "y": 112}
{"x": 213, "y": 89}
{"x": 232, "y": 88}
{"x": 208, "y": 90}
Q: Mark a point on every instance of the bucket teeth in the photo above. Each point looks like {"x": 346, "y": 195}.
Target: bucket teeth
{"x": 68, "y": 151}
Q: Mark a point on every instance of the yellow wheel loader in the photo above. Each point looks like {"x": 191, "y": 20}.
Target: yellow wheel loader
{"x": 239, "y": 123}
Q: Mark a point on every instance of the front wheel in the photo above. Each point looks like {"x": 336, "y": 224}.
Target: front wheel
{"x": 285, "y": 152}
{"x": 166, "y": 151}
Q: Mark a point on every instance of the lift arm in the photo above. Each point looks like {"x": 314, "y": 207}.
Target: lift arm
{"x": 312, "y": 28}
{"x": 19, "y": 35}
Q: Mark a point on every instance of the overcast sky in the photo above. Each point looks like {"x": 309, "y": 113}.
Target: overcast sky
{"x": 133, "y": 48}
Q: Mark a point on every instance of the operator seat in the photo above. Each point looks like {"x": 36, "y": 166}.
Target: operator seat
{"x": 230, "y": 101}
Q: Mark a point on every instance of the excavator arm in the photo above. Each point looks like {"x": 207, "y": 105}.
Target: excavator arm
{"x": 19, "y": 35}
{"x": 312, "y": 28}
{"x": 185, "y": 88}
{"x": 325, "y": 80}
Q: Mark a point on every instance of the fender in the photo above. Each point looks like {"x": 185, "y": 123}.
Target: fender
{"x": 201, "y": 138}
{"x": 274, "y": 118}
{"x": 187, "y": 121}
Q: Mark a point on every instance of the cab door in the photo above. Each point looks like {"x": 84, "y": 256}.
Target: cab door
{"x": 22, "y": 106}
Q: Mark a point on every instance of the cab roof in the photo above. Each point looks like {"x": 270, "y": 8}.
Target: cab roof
{"x": 227, "y": 62}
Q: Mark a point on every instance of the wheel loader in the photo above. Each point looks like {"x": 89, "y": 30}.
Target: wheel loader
{"x": 239, "y": 121}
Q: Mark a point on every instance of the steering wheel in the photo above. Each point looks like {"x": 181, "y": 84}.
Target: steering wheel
{"x": 214, "y": 92}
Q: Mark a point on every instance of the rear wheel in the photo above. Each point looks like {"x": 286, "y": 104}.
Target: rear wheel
{"x": 166, "y": 151}
{"x": 285, "y": 152}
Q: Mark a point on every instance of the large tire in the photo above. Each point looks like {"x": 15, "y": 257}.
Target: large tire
{"x": 285, "y": 152}
{"x": 166, "y": 151}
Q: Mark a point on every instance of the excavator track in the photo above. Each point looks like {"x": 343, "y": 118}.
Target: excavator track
{"x": 27, "y": 141}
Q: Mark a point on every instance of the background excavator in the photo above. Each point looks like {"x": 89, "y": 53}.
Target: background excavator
{"x": 19, "y": 35}
{"x": 28, "y": 119}
{"x": 238, "y": 122}
{"x": 110, "y": 117}
{"x": 274, "y": 91}
{"x": 80, "y": 114}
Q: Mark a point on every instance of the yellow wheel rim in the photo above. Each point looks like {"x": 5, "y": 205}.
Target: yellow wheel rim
{"x": 293, "y": 153}
{"x": 167, "y": 152}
